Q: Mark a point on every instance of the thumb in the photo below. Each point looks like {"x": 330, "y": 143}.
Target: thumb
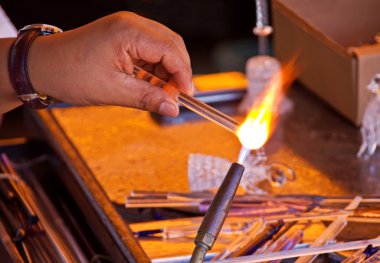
{"x": 143, "y": 95}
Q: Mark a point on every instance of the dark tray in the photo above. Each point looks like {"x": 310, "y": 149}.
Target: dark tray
{"x": 98, "y": 211}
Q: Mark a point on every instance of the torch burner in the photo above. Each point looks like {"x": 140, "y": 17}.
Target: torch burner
{"x": 217, "y": 213}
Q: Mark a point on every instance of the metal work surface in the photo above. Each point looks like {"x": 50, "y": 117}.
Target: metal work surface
{"x": 126, "y": 150}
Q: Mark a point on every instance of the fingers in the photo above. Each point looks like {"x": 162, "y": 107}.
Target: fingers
{"x": 142, "y": 95}
{"x": 156, "y": 44}
{"x": 161, "y": 72}
{"x": 181, "y": 75}
{"x": 97, "y": 61}
{"x": 157, "y": 69}
{"x": 176, "y": 61}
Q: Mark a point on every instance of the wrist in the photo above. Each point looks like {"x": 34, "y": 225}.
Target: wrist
{"x": 50, "y": 65}
{"x": 41, "y": 65}
{"x": 8, "y": 96}
{"x": 19, "y": 65}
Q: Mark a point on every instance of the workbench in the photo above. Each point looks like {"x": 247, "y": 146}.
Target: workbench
{"x": 111, "y": 151}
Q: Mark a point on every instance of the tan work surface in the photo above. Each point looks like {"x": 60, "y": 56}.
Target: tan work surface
{"x": 126, "y": 150}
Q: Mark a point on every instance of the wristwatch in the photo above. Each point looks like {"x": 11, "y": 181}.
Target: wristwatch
{"x": 18, "y": 65}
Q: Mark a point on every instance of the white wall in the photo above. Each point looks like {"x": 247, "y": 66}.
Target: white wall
{"x": 6, "y": 27}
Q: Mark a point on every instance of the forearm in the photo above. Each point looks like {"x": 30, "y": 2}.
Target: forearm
{"x": 8, "y": 98}
{"x": 93, "y": 65}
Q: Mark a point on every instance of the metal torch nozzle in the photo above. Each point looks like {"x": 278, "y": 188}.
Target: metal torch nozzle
{"x": 217, "y": 213}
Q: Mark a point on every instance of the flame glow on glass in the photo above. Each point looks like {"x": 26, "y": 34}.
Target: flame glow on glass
{"x": 259, "y": 124}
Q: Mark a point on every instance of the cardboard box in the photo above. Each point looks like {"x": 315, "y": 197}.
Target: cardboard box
{"x": 333, "y": 42}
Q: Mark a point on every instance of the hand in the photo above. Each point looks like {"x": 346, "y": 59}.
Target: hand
{"x": 92, "y": 65}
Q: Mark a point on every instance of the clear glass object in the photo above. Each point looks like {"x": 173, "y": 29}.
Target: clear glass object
{"x": 191, "y": 103}
{"x": 306, "y": 251}
{"x": 359, "y": 256}
{"x": 207, "y": 172}
{"x": 370, "y": 130}
{"x": 375, "y": 258}
{"x": 331, "y": 231}
{"x": 241, "y": 240}
{"x": 259, "y": 71}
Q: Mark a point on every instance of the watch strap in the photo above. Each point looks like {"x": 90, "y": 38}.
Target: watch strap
{"x": 18, "y": 70}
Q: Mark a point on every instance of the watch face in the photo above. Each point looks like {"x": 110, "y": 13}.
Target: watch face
{"x": 43, "y": 28}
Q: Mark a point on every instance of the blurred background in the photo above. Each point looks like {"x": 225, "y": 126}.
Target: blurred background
{"x": 218, "y": 33}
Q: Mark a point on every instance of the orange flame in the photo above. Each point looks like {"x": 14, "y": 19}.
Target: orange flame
{"x": 260, "y": 122}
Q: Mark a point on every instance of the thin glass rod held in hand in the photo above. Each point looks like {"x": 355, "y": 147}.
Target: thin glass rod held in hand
{"x": 191, "y": 103}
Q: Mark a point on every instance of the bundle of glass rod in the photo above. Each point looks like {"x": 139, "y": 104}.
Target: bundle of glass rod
{"x": 285, "y": 207}
{"x": 25, "y": 232}
{"x": 270, "y": 228}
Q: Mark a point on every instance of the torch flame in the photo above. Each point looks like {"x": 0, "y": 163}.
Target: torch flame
{"x": 258, "y": 125}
